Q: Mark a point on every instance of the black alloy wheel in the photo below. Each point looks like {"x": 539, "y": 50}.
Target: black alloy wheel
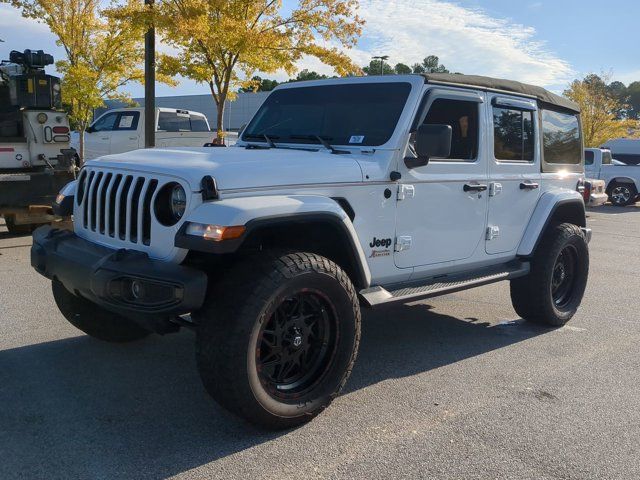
{"x": 564, "y": 275}
{"x": 296, "y": 345}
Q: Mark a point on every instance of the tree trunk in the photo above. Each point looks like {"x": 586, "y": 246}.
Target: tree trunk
{"x": 81, "y": 144}
{"x": 220, "y": 119}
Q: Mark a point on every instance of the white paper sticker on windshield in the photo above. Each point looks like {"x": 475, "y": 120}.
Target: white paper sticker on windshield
{"x": 356, "y": 139}
{"x": 125, "y": 121}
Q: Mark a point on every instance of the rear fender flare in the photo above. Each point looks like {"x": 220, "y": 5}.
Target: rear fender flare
{"x": 547, "y": 206}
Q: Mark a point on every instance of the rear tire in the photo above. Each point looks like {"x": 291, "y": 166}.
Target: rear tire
{"x": 622, "y": 194}
{"x": 277, "y": 338}
{"x": 94, "y": 320}
{"x": 551, "y": 293}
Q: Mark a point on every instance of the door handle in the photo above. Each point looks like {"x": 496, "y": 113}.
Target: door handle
{"x": 133, "y": 138}
{"x": 529, "y": 186}
{"x": 104, "y": 138}
{"x": 474, "y": 187}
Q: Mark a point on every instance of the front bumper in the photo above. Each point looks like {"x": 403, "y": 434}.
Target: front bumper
{"x": 597, "y": 199}
{"x": 123, "y": 281}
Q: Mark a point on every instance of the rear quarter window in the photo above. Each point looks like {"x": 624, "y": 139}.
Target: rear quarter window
{"x": 561, "y": 139}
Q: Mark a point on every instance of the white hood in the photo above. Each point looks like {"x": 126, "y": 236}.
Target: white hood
{"x": 238, "y": 167}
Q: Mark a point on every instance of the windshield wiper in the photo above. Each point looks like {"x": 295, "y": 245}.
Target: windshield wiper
{"x": 322, "y": 141}
{"x": 268, "y": 138}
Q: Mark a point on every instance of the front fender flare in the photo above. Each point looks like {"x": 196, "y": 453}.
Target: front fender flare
{"x": 548, "y": 203}
{"x": 258, "y": 211}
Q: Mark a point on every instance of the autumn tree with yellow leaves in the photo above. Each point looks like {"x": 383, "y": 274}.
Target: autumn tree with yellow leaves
{"x": 222, "y": 43}
{"x": 600, "y": 110}
{"x": 103, "y": 52}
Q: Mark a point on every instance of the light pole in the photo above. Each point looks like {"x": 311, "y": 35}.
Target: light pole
{"x": 150, "y": 84}
{"x": 382, "y": 59}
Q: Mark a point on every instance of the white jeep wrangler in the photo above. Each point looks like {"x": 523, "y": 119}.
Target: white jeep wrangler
{"x": 339, "y": 194}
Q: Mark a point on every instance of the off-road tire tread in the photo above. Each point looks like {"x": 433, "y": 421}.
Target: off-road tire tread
{"x": 226, "y": 320}
{"x": 530, "y": 294}
{"x": 94, "y": 320}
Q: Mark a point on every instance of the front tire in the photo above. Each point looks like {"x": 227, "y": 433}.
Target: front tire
{"x": 278, "y": 337}
{"x": 94, "y": 320}
{"x": 622, "y": 194}
{"x": 552, "y": 292}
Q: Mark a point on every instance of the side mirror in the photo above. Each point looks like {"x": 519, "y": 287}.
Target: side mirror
{"x": 89, "y": 129}
{"x": 432, "y": 141}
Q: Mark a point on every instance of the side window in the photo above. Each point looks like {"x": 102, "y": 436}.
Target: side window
{"x": 561, "y": 138}
{"x": 589, "y": 157}
{"x": 199, "y": 124}
{"x": 513, "y": 134}
{"x": 106, "y": 123}
{"x": 128, "y": 121}
{"x": 462, "y": 116}
{"x": 606, "y": 157}
{"x": 174, "y": 122}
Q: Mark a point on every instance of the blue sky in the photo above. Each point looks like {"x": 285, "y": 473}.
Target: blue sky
{"x": 544, "y": 42}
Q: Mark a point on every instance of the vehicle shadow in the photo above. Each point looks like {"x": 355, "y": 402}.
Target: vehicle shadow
{"x": 610, "y": 209}
{"x": 78, "y": 407}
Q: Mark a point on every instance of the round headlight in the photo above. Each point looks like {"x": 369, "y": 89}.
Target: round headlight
{"x": 170, "y": 204}
{"x": 178, "y": 202}
{"x": 42, "y": 117}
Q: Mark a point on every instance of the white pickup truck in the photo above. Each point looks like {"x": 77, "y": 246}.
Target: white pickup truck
{"x": 622, "y": 181}
{"x": 122, "y": 130}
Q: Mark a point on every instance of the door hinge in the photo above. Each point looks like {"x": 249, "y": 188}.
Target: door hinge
{"x": 406, "y": 191}
{"x": 493, "y": 231}
{"x": 495, "y": 189}
{"x": 402, "y": 243}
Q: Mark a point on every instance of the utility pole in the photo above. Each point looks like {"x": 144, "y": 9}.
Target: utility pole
{"x": 382, "y": 59}
{"x": 150, "y": 85}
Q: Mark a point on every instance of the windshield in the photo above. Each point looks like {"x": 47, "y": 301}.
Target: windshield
{"x": 362, "y": 114}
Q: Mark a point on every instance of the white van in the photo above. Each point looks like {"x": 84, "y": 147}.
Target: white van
{"x": 625, "y": 150}
{"x": 122, "y": 130}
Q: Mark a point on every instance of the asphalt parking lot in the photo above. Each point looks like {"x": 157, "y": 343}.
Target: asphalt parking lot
{"x": 454, "y": 387}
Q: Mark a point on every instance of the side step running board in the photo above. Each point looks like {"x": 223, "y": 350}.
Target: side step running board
{"x": 444, "y": 284}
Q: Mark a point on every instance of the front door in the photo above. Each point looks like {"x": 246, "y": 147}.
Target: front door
{"x": 442, "y": 209}
{"x": 514, "y": 170}
{"x": 97, "y": 141}
{"x": 125, "y": 136}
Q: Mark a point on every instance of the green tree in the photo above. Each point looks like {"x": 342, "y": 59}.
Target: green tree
{"x": 430, "y": 64}
{"x": 258, "y": 84}
{"x": 633, "y": 92}
{"x": 374, "y": 68}
{"x": 402, "y": 69}
{"x": 308, "y": 75}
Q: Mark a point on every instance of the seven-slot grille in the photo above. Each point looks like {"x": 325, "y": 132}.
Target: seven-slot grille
{"x": 116, "y": 205}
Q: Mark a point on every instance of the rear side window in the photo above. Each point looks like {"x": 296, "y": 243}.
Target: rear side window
{"x": 562, "y": 143}
{"x": 513, "y": 134}
{"x": 199, "y": 124}
{"x": 174, "y": 122}
{"x": 462, "y": 116}
{"x": 589, "y": 157}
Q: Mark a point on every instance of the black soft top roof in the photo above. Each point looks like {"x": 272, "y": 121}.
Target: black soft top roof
{"x": 543, "y": 95}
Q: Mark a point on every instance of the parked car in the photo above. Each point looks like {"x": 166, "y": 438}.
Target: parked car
{"x": 340, "y": 194}
{"x": 622, "y": 181}
{"x": 122, "y": 130}
{"x": 594, "y": 193}
{"x": 626, "y": 150}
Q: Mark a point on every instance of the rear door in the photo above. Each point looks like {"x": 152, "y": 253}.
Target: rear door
{"x": 514, "y": 170}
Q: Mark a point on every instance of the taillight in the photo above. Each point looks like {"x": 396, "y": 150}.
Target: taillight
{"x": 60, "y": 129}
{"x": 586, "y": 192}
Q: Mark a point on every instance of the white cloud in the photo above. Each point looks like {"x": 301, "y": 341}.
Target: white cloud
{"x": 626, "y": 77}
{"x": 466, "y": 40}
